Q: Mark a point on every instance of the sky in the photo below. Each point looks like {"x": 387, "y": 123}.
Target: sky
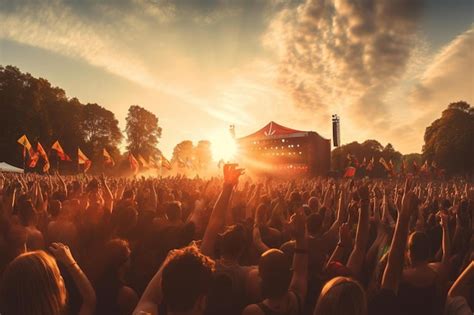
{"x": 387, "y": 68}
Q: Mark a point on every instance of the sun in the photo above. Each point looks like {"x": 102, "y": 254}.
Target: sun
{"x": 223, "y": 146}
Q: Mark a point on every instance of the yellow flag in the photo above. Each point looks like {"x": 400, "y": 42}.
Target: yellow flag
{"x": 23, "y": 140}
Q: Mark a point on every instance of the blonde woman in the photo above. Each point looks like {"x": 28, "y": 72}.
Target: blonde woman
{"x": 342, "y": 296}
{"x": 32, "y": 284}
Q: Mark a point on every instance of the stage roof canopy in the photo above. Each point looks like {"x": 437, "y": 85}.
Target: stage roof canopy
{"x": 5, "y": 167}
{"x": 274, "y": 130}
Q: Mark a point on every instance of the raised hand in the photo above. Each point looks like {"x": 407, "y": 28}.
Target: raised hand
{"x": 232, "y": 174}
{"x": 299, "y": 221}
{"x": 62, "y": 253}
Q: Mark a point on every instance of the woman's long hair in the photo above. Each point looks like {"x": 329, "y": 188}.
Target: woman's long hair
{"x": 341, "y": 296}
{"x": 32, "y": 285}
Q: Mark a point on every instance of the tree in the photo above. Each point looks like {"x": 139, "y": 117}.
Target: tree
{"x": 100, "y": 130}
{"x": 143, "y": 131}
{"x": 368, "y": 149}
{"x": 449, "y": 140}
{"x": 203, "y": 154}
{"x": 183, "y": 152}
{"x": 33, "y": 107}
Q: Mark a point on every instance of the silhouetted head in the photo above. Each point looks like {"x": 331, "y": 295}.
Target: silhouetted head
{"x": 341, "y": 296}
{"x": 275, "y": 271}
{"x": 418, "y": 247}
{"x": 233, "y": 241}
{"x": 187, "y": 277}
{"x": 173, "y": 210}
{"x": 54, "y": 208}
{"x": 26, "y": 211}
{"x": 314, "y": 223}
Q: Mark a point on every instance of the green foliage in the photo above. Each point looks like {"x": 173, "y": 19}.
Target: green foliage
{"x": 33, "y": 107}
{"x": 367, "y": 150}
{"x": 142, "y": 131}
{"x": 449, "y": 140}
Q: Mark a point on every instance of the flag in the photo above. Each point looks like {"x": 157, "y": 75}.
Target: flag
{"x": 415, "y": 167}
{"x": 181, "y": 163}
{"x": 108, "y": 158}
{"x": 370, "y": 165}
{"x": 165, "y": 163}
{"x": 143, "y": 161}
{"x": 404, "y": 166}
{"x": 33, "y": 159}
{"x": 43, "y": 154}
{"x": 153, "y": 163}
{"x": 189, "y": 163}
{"x": 382, "y": 161}
{"x": 60, "y": 152}
{"x": 353, "y": 161}
{"x": 350, "y": 172}
{"x": 133, "y": 163}
{"x": 23, "y": 140}
{"x": 424, "y": 168}
{"x": 83, "y": 159}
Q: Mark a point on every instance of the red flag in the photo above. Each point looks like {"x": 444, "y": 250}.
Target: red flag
{"x": 165, "y": 163}
{"x": 350, "y": 171}
{"x": 60, "y": 152}
{"x": 133, "y": 163}
{"x": 83, "y": 159}
{"x": 33, "y": 159}
{"x": 43, "y": 154}
{"x": 143, "y": 161}
{"x": 108, "y": 158}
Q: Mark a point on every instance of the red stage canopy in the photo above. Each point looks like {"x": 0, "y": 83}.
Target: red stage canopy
{"x": 274, "y": 130}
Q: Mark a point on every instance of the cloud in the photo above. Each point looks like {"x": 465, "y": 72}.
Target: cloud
{"x": 445, "y": 78}
{"x": 348, "y": 52}
{"x": 449, "y": 77}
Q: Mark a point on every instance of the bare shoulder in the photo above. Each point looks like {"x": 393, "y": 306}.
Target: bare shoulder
{"x": 252, "y": 309}
{"x": 127, "y": 299}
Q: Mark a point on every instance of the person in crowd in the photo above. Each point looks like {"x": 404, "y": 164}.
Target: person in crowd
{"x": 235, "y": 245}
{"x": 32, "y": 284}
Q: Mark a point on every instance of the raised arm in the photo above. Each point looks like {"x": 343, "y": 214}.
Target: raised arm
{"x": 217, "y": 219}
{"x": 63, "y": 254}
{"x": 63, "y": 186}
{"x": 356, "y": 258}
{"x": 107, "y": 194}
{"x": 299, "y": 280}
{"x": 463, "y": 283}
{"x": 393, "y": 270}
{"x": 340, "y": 218}
{"x": 345, "y": 242}
{"x": 446, "y": 242}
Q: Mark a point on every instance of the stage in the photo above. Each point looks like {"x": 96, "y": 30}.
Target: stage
{"x": 280, "y": 151}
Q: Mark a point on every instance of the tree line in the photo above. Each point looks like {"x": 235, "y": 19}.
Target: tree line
{"x": 34, "y": 107}
{"x": 448, "y": 144}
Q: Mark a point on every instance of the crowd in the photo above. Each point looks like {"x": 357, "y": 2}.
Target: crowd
{"x": 232, "y": 245}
